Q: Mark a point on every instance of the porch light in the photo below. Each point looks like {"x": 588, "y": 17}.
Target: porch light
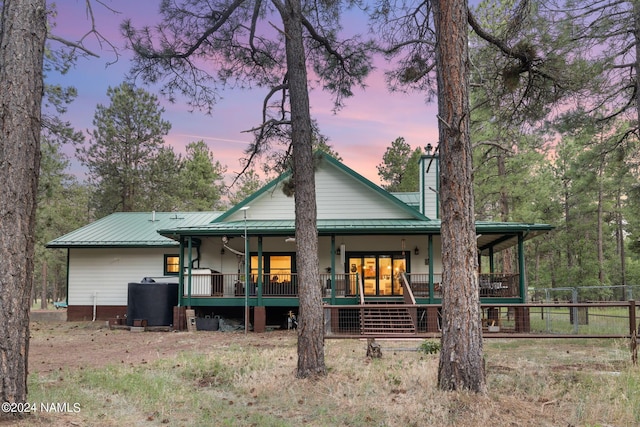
{"x": 416, "y": 251}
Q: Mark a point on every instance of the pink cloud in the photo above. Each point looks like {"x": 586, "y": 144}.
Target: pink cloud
{"x": 360, "y": 132}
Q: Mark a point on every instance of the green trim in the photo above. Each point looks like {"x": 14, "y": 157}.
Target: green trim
{"x": 68, "y": 262}
{"x": 181, "y": 273}
{"x": 239, "y": 302}
{"x": 431, "y": 284}
{"x": 521, "y": 267}
{"x": 260, "y": 271}
{"x": 189, "y": 258}
{"x": 166, "y": 264}
{"x": 249, "y": 199}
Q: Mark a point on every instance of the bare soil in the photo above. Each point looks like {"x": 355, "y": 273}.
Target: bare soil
{"x": 58, "y": 346}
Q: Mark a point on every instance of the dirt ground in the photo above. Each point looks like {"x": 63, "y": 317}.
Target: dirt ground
{"x": 51, "y": 345}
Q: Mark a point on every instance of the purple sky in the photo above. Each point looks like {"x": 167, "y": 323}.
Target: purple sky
{"x": 360, "y": 132}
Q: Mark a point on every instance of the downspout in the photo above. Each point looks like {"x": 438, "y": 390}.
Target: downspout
{"x": 95, "y": 302}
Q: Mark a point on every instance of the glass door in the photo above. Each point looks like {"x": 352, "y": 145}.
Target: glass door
{"x": 399, "y": 267}
{"x": 385, "y": 275}
{"x": 369, "y": 275}
{"x": 380, "y": 273}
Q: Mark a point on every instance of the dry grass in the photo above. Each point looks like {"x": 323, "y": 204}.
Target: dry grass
{"x": 250, "y": 381}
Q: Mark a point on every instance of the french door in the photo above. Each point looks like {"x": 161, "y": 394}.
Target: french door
{"x": 380, "y": 272}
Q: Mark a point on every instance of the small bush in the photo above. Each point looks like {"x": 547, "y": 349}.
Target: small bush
{"x": 429, "y": 347}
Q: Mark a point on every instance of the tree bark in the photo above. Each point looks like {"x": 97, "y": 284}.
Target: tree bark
{"x": 310, "y": 319}
{"x": 461, "y": 364}
{"x": 22, "y": 37}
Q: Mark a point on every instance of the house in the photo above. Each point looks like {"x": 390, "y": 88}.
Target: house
{"x": 374, "y": 246}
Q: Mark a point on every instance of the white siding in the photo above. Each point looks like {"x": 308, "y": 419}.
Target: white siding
{"x": 106, "y": 273}
{"x": 338, "y": 194}
{"x": 341, "y": 196}
{"x": 429, "y": 186}
{"x": 273, "y": 204}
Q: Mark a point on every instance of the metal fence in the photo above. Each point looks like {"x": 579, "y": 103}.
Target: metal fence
{"x": 585, "y": 294}
{"x": 617, "y": 319}
{"x": 587, "y": 315}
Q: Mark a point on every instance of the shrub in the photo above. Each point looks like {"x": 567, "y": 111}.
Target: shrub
{"x": 429, "y": 347}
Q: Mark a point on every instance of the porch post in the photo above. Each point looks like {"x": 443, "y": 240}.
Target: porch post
{"x": 521, "y": 268}
{"x": 430, "y": 251}
{"x": 522, "y": 315}
{"x": 491, "y": 261}
{"x": 333, "y": 269}
{"x": 260, "y": 274}
{"x": 189, "y": 269}
{"x": 180, "y": 272}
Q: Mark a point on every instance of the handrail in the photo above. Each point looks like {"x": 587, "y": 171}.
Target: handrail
{"x": 360, "y": 289}
{"x": 407, "y": 292}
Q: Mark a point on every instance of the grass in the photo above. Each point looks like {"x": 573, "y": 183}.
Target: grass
{"x": 531, "y": 383}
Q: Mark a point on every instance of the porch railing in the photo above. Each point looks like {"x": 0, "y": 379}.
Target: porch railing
{"x": 496, "y": 285}
{"x": 500, "y": 285}
{"x": 273, "y": 285}
{"x": 419, "y": 283}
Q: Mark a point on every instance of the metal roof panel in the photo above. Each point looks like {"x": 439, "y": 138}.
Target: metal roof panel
{"x": 131, "y": 229}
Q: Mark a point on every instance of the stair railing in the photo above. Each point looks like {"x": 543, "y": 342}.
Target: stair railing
{"x": 407, "y": 292}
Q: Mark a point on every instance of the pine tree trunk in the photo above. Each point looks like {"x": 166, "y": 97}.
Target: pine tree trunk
{"x": 22, "y": 37}
{"x": 310, "y": 319}
{"x": 461, "y": 359}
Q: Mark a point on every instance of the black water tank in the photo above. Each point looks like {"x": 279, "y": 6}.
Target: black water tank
{"x": 151, "y": 301}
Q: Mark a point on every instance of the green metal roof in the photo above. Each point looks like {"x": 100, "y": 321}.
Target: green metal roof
{"x": 131, "y": 229}
{"x": 498, "y": 235}
{"x": 410, "y": 198}
{"x": 325, "y": 227}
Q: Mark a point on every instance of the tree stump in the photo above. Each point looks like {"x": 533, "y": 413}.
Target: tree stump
{"x": 373, "y": 349}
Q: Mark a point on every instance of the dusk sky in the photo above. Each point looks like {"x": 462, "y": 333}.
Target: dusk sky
{"x": 360, "y": 132}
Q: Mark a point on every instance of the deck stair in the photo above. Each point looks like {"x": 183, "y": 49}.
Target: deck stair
{"x": 387, "y": 320}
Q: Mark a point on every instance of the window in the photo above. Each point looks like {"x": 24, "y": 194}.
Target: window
{"x": 171, "y": 265}
{"x": 276, "y": 267}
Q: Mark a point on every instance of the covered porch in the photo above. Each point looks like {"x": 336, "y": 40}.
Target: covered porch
{"x": 362, "y": 266}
